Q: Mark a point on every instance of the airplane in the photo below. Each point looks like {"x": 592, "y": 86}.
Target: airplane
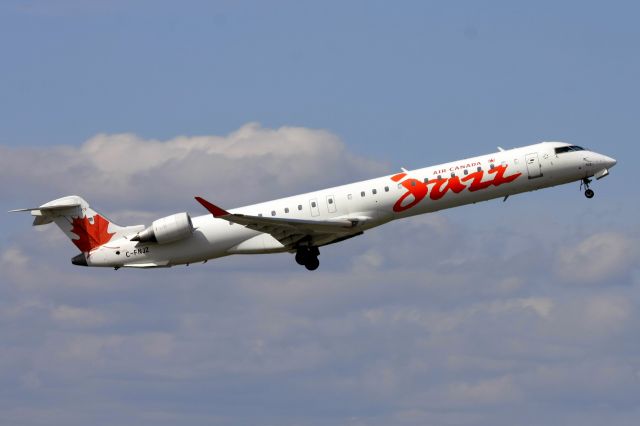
{"x": 303, "y": 223}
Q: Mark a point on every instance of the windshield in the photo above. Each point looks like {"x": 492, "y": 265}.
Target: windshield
{"x": 569, "y": 148}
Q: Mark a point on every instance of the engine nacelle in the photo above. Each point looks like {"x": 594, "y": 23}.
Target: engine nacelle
{"x": 167, "y": 230}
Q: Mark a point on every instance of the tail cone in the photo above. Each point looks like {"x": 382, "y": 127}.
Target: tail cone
{"x": 79, "y": 260}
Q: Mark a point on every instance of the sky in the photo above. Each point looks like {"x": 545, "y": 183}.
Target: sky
{"x": 524, "y": 312}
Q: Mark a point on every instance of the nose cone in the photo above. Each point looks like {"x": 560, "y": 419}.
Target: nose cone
{"x": 608, "y": 161}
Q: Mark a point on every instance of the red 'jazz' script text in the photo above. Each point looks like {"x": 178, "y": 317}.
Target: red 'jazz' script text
{"x": 439, "y": 187}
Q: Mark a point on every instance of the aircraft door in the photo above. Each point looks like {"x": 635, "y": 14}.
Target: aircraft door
{"x": 534, "y": 168}
{"x": 331, "y": 204}
{"x": 313, "y": 207}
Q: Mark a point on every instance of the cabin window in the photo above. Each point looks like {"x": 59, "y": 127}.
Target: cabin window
{"x": 413, "y": 183}
{"x": 286, "y": 209}
{"x": 386, "y": 189}
{"x": 259, "y": 214}
{"x": 399, "y": 186}
{"x": 479, "y": 168}
{"x": 313, "y": 204}
{"x": 374, "y": 191}
{"x": 426, "y": 180}
{"x": 299, "y": 206}
{"x": 491, "y": 166}
{"x": 453, "y": 174}
{"x": 466, "y": 172}
{"x": 439, "y": 177}
{"x": 273, "y": 212}
{"x": 362, "y": 194}
{"x": 330, "y": 201}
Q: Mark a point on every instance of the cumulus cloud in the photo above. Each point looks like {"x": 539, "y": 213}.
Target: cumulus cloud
{"x": 596, "y": 258}
{"x": 128, "y": 171}
{"x": 424, "y": 321}
{"x": 76, "y": 316}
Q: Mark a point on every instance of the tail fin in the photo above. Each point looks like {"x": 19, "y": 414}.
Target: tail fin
{"x": 85, "y": 227}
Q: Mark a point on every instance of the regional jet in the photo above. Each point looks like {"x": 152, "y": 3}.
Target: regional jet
{"x": 303, "y": 223}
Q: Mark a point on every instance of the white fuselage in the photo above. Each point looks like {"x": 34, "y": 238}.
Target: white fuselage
{"x": 371, "y": 202}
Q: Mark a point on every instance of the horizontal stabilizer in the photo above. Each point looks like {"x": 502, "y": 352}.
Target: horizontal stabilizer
{"x": 46, "y": 208}
{"x": 48, "y": 212}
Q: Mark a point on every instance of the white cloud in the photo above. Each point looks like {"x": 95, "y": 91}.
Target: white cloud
{"x": 81, "y": 317}
{"x": 598, "y": 257}
{"x": 425, "y": 321}
{"x": 499, "y": 390}
{"x": 127, "y": 171}
{"x": 13, "y": 257}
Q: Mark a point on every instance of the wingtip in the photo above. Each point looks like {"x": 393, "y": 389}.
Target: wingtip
{"x": 213, "y": 209}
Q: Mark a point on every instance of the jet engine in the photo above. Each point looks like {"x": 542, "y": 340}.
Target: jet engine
{"x": 167, "y": 229}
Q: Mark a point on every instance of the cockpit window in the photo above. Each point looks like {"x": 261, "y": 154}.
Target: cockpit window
{"x": 563, "y": 149}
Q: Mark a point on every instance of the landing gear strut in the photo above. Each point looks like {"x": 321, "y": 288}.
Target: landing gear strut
{"x": 308, "y": 256}
{"x": 588, "y": 192}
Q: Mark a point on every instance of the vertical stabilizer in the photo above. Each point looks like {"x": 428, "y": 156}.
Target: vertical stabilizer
{"x": 86, "y": 228}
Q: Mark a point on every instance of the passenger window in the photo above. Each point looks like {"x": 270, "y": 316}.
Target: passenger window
{"x": 362, "y": 194}
{"x": 286, "y": 209}
{"x": 386, "y": 189}
{"x": 453, "y": 174}
{"x": 330, "y": 201}
{"x": 413, "y": 183}
{"x": 466, "y": 172}
{"x": 439, "y": 177}
{"x": 374, "y": 191}
{"x": 313, "y": 204}
{"x": 299, "y": 206}
{"x": 479, "y": 168}
{"x": 399, "y": 186}
{"x": 273, "y": 212}
{"x": 259, "y": 214}
{"x": 491, "y": 166}
{"x": 426, "y": 180}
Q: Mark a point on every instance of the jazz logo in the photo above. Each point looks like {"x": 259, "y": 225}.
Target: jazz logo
{"x": 437, "y": 188}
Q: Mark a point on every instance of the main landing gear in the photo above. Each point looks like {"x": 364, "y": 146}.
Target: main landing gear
{"x": 308, "y": 256}
{"x": 588, "y": 192}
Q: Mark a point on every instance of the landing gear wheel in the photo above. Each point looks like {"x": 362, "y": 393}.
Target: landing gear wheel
{"x": 589, "y": 193}
{"x": 301, "y": 256}
{"x": 308, "y": 256}
{"x": 312, "y": 263}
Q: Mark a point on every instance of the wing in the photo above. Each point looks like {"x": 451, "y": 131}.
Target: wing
{"x": 290, "y": 231}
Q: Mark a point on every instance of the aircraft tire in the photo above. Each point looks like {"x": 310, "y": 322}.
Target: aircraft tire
{"x": 589, "y": 193}
{"x": 312, "y": 263}
{"x": 302, "y": 255}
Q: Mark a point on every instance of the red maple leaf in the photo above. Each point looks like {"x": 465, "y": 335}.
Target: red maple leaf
{"x": 92, "y": 233}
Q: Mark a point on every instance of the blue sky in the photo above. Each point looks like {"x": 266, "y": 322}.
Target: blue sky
{"x": 523, "y": 312}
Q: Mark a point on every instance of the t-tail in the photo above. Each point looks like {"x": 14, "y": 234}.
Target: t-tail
{"x": 86, "y": 228}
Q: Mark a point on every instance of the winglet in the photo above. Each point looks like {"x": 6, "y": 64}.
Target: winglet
{"x": 215, "y": 210}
